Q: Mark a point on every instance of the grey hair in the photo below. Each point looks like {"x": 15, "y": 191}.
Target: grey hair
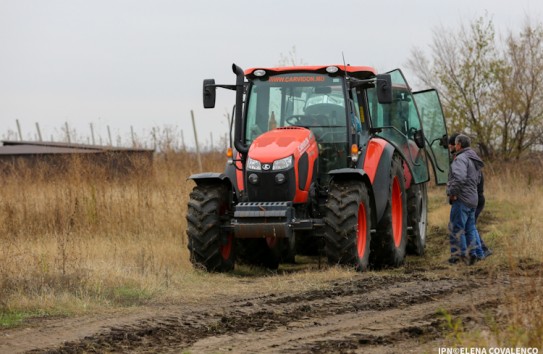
{"x": 463, "y": 140}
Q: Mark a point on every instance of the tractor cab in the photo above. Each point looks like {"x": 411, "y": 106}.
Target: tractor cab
{"x": 310, "y": 100}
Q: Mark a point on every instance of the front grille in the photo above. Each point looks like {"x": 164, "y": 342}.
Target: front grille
{"x": 267, "y": 190}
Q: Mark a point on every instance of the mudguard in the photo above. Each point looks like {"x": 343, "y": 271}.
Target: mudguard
{"x": 210, "y": 177}
{"x": 228, "y": 178}
{"x": 376, "y": 163}
{"x": 357, "y": 174}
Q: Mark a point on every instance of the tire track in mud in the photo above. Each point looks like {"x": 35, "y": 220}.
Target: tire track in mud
{"x": 365, "y": 312}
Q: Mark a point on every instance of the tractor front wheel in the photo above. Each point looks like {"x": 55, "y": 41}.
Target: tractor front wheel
{"x": 209, "y": 246}
{"x": 347, "y": 230}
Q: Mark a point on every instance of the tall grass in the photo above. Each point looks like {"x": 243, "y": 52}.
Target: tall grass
{"x": 511, "y": 225}
{"x": 81, "y": 236}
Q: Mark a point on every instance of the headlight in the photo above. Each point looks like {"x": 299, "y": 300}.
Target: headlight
{"x": 253, "y": 164}
{"x": 282, "y": 164}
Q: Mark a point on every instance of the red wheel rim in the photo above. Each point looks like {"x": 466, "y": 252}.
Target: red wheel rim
{"x": 397, "y": 212}
{"x": 361, "y": 232}
{"x": 226, "y": 249}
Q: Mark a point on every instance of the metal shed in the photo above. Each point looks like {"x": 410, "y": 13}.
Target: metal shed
{"x": 53, "y": 157}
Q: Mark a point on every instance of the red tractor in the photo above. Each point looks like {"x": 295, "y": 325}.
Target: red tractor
{"x": 331, "y": 158}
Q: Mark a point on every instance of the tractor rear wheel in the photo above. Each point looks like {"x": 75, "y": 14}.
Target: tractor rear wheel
{"x": 389, "y": 245}
{"x": 417, "y": 217}
{"x": 347, "y": 230}
{"x": 209, "y": 246}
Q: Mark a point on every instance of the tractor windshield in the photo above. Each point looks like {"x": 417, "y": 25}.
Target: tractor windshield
{"x": 314, "y": 101}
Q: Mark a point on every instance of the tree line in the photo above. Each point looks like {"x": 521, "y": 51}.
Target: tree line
{"x": 491, "y": 87}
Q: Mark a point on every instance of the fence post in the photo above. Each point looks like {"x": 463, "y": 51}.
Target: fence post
{"x": 92, "y": 134}
{"x": 109, "y": 134}
{"x": 196, "y": 141}
{"x": 133, "y": 137}
{"x": 39, "y": 131}
{"x": 19, "y": 130}
{"x": 68, "y": 133}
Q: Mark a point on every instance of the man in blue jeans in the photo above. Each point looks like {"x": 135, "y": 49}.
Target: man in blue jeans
{"x": 480, "y": 193}
{"x": 464, "y": 176}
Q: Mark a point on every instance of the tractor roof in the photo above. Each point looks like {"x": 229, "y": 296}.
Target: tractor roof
{"x": 359, "y": 72}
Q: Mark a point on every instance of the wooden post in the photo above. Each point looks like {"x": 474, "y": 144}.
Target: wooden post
{"x": 183, "y": 141}
{"x": 68, "y": 133}
{"x": 109, "y": 134}
{"x": 153, "y": 133}
{"x": 211, "y": 138}
{"x": 39, "y": 131}
{"x": 92, "y": 134}
{"x": 19, "y": 129}
{"x": 196, "y": 141}
{"x": 133, "y": 137}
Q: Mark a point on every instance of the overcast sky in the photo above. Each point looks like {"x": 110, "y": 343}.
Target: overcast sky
{"x": 140, "y": 63}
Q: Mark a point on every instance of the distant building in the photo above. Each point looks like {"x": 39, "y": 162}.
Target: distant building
{"x": 49, "y": 158}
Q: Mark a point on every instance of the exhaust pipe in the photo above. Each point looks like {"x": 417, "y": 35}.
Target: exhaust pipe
{"x": 238, "y": 142}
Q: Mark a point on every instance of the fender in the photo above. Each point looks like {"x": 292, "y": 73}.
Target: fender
{"x": 210, "y": 178}
{"x": 357, "y": 174}
{"x": 376, "y": 162}
{"x": 228, "y": 177}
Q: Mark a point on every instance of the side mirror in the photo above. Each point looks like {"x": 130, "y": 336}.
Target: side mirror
{"x": 384, "y": 88}
{"x": 418, "y": 137}
{"x": 209, "y": 93}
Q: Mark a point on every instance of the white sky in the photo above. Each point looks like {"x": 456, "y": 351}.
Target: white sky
{"x": 140, "y": 63}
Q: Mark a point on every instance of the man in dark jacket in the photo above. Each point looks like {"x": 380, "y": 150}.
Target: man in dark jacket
{"x": 464, "y": 176}
{"x": 480, "y": 194}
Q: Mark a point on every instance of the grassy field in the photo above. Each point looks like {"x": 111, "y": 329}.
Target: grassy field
{"x": 80, "y": 242}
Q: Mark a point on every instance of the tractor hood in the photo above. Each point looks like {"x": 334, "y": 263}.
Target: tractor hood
{"x": 280, "y": 143}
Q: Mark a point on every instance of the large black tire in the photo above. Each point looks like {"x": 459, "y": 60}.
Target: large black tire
{"x": 347, "y": 224}
{"x": 209, "y": 246}
{"x": 417, "y": 218}
{"x": 389, "y": 244}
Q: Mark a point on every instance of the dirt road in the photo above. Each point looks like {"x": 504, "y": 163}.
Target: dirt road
{"x": 372, "y": 312}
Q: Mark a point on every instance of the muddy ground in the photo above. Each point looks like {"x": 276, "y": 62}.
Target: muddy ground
{"x": 374, "y": 312}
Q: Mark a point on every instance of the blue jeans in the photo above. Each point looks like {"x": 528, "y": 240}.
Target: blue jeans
{"x": 463, "y": 236}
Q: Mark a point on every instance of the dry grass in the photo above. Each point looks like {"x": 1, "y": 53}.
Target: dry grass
{"x": 511, "y": 225}
{"x": 82, "y": 242}
{"x": 81, "y": 235}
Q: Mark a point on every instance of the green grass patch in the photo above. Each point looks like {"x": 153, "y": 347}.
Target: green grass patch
{"x": 12, "y": 319}
{"x": 129, "y": 296}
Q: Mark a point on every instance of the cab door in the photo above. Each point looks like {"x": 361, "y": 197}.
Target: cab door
{"x": 435, "y": 132}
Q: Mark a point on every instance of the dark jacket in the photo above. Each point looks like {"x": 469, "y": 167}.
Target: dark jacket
{"x": 464, "y": 176}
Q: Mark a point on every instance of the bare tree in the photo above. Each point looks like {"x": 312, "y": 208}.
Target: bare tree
{"x": 520, "y": 98}
{"x": 463, "y": 68}
{"x": 290, "y": 59}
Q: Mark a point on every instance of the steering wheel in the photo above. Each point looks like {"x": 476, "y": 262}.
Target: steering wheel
{"x": 296, "y": 119}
